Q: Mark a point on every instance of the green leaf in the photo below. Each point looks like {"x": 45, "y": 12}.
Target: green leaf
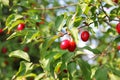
{"x": 60, "y": 22}
{"x": 110, "y": 2}
{"x": 12, "y": 18}
{"x": 110, "y": 30}
{"x": 24, "y": 69}
{"x": 96, "y": 23}
{"x": 101, "y": 74}
{"x": 87, "y": 1}
{"x": 45, "y": 64}
{"x": 29, "y": 35}
{"x": 16, "y": 23}
{"x": 20, "y": 54}
{"x": 72, "y": 68}
{"x": 30, "y": 75}
{"x": 57, "y": 67}
{"x": 95, "y": 51}
{"x": 77, "y": 21}
{"x": 33, "y": 36}
{"x": 15, "y": 34}
{"x": 40, "y": 76}
{"x": 68, "y": 20}
{"x": 85, "y": 8}
{"x": 86, "y": 69}
{"x": 58, "y": 55}
{"x": 78, "y": 11}
{"x": 117, "y": 39}
{"x": 115, "y": 71}
{"x": 71, "y": 21}
{"x": 67, "y": 57}
{"x": 102, "y": 47}
{"x": 49, "y": 43}
{"x": 113, "y": 77}
{"x": 5, "y": 2}
{"x": 74, "y": 32}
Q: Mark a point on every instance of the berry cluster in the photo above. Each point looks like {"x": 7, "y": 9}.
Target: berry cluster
{"x": 68, "y": 44}
{"x": 71, "y": 44}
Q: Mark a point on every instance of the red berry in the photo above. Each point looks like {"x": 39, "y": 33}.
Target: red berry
{"x": 31, "y": 78}
{"x": 6, "y": 62}
{"x": 1, "y": 31}
{"x": 118, "y": 28}
{"x": 72, "y": 46}
{"x": 85, "y": 36}
{"x": 21, "y": 26}
{"x": 26, "y": 49}
{"x": 118, "y": 47}
{"x": 4, "y": 50}
{"x": 64, "y": 44}
{"x": 116, "y": 1}
{"x": 65, "y": 71}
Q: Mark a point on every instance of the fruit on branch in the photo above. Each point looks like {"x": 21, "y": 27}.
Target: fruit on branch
{"x": 65, "y": 71}
{"x": 85, "y": 36}
{"x": 1, "y": 31}
{"x": 4, "y": 50}
{"x": 64, "y": 44}
{"x": 21, "y": 26}
{"x": 116, "y": 1}
{"x": 6, "y": 62}
{"x": 118, "y": 28}
{"x": 72, "y": 46}
{"x": 68, "y": 44}
{"x": 26, "y": 49}
{"x": 118, "y": 47}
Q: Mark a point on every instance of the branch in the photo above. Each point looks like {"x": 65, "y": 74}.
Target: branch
{"x": 107, "y": 23}
{"x": 57, "y": 7}
{"x": 86, "y": 24}
{"x": 106, "y": 15}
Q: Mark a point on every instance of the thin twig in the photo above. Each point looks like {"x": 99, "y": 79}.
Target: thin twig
{"x": 57, "y": 7}
{"x": 106, "y": 15}
{"x": 108, "y": 23}
{"x": 86, "y": 24}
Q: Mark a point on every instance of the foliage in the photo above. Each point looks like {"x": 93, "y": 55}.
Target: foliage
{"x": 34, "y": 53}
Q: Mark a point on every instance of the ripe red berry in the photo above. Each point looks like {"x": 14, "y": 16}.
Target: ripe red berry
{"x": 72, "y": 46}
{"x": 64, "y": 44}
{"x": 118, "y": 28}
{"x": 21, "y": 26}
{"x": 4, "y": 50}
{"x": 85, "y": 36}
{"x": 1, "y": 31}
{"x": 26, "y": 49}
{"x": 118, "y": 47}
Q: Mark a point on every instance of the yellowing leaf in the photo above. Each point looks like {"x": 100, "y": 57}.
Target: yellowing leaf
{"x": 20, "y": 54}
